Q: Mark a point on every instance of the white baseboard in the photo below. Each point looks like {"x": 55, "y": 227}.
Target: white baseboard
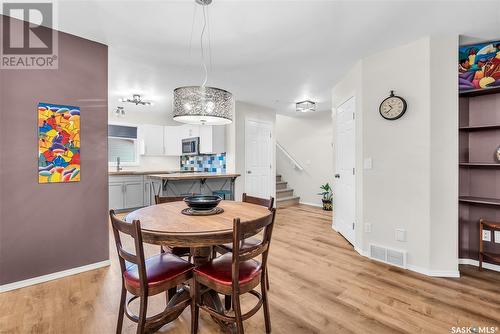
{"x": 486, "y": 265}
{"x": 434, "y": 273}
{"x": 312, "y": 204}
{"x": 52, "y": 276}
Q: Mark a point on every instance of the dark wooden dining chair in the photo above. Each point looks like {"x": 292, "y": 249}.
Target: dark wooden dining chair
{"x": 179, "y": 251}
{"x": 143, "y": 278}
{"x": 249, "y": 242}
{"x": 236, "y": 273}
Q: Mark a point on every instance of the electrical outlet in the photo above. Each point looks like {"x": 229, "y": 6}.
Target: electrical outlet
{"x": 486, "y": 235}
{"x": 368, "y": 228}
{"x": 400, "y": 234}
{"x": 497, "y": 237}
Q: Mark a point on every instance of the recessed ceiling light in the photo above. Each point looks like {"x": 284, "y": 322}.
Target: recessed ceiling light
{"x": 305, "y": 106}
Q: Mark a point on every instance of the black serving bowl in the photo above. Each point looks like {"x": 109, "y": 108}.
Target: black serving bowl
{"x": 202, "y": 202}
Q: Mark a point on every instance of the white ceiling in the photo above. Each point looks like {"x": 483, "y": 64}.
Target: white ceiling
{"x": 270, "y": 53}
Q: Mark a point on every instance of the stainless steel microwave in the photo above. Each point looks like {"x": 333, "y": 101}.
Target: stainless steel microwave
{"x": 191, "y": 146}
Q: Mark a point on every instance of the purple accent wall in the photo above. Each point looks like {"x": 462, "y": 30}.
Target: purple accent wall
{"x": 45, "y": 228}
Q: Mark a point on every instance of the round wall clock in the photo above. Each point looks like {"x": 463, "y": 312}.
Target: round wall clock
{"x": 392, "y": 107}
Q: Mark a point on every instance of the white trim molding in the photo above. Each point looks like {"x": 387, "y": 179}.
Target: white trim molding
{"x": 317, "y": 205}
{"x": 52, "y": 276}
{"x": 486, "y": 265}
{"x": 434, "y": 273}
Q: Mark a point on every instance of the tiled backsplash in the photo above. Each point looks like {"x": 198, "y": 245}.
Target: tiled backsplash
{"x": 215, "y": 163}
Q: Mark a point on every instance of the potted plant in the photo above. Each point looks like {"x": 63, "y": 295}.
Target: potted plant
{"x": 327, "y": 196}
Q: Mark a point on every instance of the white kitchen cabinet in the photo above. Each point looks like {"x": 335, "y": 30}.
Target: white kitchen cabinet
{"x": 149, "y": 194}
{"x": 116, "y": 196}
{"x": 134, "y": 194}
{"x": 212, "y": 139}
{"x": 190, "y": 131}
{"x": 126, "y": 192}
{"x": 173, "y": 140}
{"x": 153, "y": 140}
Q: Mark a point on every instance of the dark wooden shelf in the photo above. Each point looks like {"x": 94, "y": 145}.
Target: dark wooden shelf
{"x": 491, "y": 256}
{"x": 480, "y": 127}
{"x": 479, "y": 164}
{"x": 479, "y": 92}
{"x": 491, "y": 225}
{"x": 479, "y": 200}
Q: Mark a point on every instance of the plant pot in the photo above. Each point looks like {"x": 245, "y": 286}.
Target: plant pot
{"x": 327, "y": 205}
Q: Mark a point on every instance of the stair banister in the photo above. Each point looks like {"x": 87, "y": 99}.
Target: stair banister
{"x": 292, "y": 160}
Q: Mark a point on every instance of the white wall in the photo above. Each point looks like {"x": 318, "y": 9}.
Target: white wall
{"x": 413, "y": 184}
{"x": 444, "y": 154}
{"x": 235, "y": 142}
{"x": 308, "y": 139}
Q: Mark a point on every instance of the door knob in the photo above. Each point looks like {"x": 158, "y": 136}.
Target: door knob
{"x": 337, "y": 176}
{"x": 249, "y": 172}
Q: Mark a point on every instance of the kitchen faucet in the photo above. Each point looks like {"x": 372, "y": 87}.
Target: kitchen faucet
{"x": 118, "y": 168}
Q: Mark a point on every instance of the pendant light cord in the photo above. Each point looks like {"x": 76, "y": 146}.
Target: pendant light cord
{"x": 204, "y": 66}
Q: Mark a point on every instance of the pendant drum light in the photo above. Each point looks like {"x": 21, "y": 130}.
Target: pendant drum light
{"x": 203, "y": 104}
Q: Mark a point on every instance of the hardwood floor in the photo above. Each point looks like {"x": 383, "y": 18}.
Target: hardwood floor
{"x": 333, "y": 290}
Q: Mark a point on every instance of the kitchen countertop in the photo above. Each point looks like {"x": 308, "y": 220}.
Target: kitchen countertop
{"x": 140, "y": 172}
{"x": 193, "y": 176}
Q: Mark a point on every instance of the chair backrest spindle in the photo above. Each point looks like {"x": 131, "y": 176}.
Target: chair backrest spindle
{"x": 132, "y": 229}
{"x": 243, "y": 230}
{"x": 268, "y": 203}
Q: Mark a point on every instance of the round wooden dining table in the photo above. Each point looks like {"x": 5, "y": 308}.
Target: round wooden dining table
{"x": 165, "y": 224}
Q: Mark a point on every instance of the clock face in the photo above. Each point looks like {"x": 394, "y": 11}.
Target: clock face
{"x": 392, "y": 107}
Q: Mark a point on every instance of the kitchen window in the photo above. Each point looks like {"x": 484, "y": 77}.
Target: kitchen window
{"x": 123, "y": 144}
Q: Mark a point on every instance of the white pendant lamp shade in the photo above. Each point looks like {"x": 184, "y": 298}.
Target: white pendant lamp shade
{"x": 203, "y": 105}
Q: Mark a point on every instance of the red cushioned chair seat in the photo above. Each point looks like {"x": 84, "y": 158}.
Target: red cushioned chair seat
{"x": 247, "y": 244}
{"x": 159, "y": 269}
{"x": 219, "y": 270}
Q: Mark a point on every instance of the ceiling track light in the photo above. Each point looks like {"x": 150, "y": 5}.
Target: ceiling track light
{"x": 305, "y": 106}
{"x": 137, "y": 100}
{"x": 119, "y": 112}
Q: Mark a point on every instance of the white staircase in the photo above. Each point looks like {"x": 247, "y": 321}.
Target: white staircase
{"x": 284, "y": 195}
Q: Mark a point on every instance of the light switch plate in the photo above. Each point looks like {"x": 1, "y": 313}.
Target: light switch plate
{"x": 368, "y": 228}
{"x": 486, "y": 235}
{"x": 400, "y": 234}
{"x": 497, "y": 237}
{"x": 368, "y": 164}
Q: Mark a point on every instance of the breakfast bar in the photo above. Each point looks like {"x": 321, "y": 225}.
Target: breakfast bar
{"x": 178, "y": 184}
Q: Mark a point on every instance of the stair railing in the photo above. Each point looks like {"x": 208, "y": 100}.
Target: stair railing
{"x": 295, "y": 163}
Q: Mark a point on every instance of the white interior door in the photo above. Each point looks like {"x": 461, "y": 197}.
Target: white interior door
{"x": 258, "y": 148}
{"x": 344, "y": 186}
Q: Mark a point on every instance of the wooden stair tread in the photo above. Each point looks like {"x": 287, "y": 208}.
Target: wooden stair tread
{"x": 284, "y": 190}
{"x": 287, "y": 198}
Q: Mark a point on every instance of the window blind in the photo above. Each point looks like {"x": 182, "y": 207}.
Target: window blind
{"x": 123, "y": 148}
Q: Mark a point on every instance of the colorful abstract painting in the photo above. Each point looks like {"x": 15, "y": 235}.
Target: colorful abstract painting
{"x": 479, "y": 66}
{"x": 58, "y": 143}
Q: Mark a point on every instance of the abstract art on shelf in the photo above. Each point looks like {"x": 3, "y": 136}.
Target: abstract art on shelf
{"x": 479, "y": 66}
{"x": 58, "y": 143}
